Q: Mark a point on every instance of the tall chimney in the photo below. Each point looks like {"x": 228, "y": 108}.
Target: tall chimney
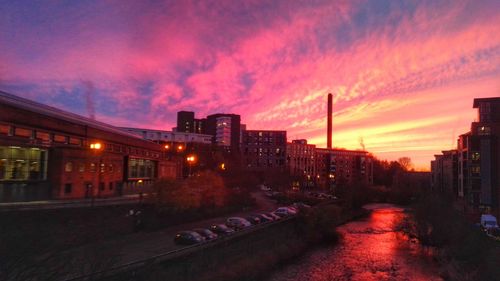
{"x": 329, "y": 117}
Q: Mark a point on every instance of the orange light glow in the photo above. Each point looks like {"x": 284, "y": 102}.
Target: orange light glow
{"x": 167, "y": 146}
{"x": 96, "y": 146}
{"x": 180, "y": 147}
{"x": 191, "y": 159}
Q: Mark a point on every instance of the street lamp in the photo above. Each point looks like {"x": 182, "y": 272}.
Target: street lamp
{"x": 190, "y": 159}
{"x": 96, "y": 146}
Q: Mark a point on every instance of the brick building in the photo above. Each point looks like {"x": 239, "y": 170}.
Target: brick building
{"x": 301, "y": 161}
{"x": 339, "y": 167}
{"x": 45, "y": 153}
{"x": 264, "y": 150}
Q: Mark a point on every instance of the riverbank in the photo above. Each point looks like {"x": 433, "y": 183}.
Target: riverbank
{"x": 462, "y": 250}
{"x": 251, "y": 256}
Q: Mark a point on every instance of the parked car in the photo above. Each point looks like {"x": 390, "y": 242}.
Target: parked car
{"x": 238, "y": 223}
{"x": 221, "y": 229}
{"x": 265, "y": 218}
{"x": 299, "y": 205}
{"x": 284, "y": 211}
{"x": 207, "y": 234}
{"x": 188, "y": 238}
{"x": 273, "y": 215}
{"x": 253, "y": 219}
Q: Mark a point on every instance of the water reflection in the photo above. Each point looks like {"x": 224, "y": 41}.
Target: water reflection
{"x": 371, "y": 249}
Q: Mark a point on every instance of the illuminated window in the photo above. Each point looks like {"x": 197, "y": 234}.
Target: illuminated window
{"x": 68, "y": 167}
{"x": 475, "y": 170}
{"x": 102, "y": 168}
{"x": 60, "y": 139}
{"x": 4, "y": 129}
{"x": 476, "y": 156}
{"x": 484, "y": 131}
{"x": 42, "y": 136}
{"x": 18, "y": 163}
{"x": 111, "y": 168}
{"x": 92, "y": 167}
{"x": 75, "y": 141}
{"x": 25, "y": 133}
{"x": 81, "y": 167}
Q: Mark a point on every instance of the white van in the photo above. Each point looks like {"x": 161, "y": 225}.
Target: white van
{"x": 488, "y": 221}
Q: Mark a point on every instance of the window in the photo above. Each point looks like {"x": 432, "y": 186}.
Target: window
{"x": 81, "y": 167}
{"x": 67, "y": 188}
{"x": 68, "y": 167}
{"x": 476, "y": 156}
{"x": 75, "y": 141}
{"x": 4, "y": 129}
{"x": 110, "y": 186}
{"x": 42, "y": 136}
{"x": 25, "y": 133}
{"x": 102, "y": 168}
{"x": 476, "y": 170}
{"x": 111, "y": 168}
{"x": 60, "y": 139}
{"x": 484, "y": 131}
{"x": 92, "y": 167}
{"x": 101, "y": 186}
{"x": 18, "y": 163}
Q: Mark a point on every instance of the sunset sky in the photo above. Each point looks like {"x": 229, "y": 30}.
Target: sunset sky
{"x": 403, "y": 73}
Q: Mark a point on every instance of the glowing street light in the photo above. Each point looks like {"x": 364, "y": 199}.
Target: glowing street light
{"x": 167, "y": 146}
{"x": 180, "y": 148}
{"x": 190, "y": 159}
{"x": 96, "y": 146}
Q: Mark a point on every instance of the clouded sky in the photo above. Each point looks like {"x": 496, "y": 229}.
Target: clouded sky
{"x": 403, "y": 73}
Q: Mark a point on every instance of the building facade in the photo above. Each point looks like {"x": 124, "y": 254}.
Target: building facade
{"x": 339, "y": 167}
{"x": 478, "y": 160}
{"x": 264, "y": 149}
{"x": 47, "y": 153}
{"x": 301, "y": 161}
{"x": 444, "y": 173}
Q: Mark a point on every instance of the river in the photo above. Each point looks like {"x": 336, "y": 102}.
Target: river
{"x": 371, "y": 249}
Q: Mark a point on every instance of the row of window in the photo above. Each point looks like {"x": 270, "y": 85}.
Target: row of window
{"x": 92, "y": 167}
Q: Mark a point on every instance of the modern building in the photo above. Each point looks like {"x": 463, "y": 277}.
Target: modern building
{"x": 444, "y": 173}
{"x": 47, "y": 153}
{"x": 479, "y": 160}
{"x": 264, "y": 150}
{"x": 340, "y": 167}
{"x": 225, "y": 129}
{"x": 301, "y": 161}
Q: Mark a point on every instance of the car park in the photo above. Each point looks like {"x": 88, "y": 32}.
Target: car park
{"x": 207, "y": 234}
{"x": 188, "y": 238}
{"x": 238, "y": 223}
{"x": 221, "y": 229}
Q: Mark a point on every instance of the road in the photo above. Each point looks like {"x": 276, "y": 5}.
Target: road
{"x": 143, "y": 245}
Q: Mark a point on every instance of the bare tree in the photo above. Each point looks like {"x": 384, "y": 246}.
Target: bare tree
{"x": 405, "y": 163}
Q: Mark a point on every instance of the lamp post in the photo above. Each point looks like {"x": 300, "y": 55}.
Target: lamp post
{"x": 190, "y": 159}
{"x": 96, "y": 147}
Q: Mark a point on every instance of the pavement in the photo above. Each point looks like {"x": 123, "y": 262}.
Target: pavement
{"x": 77, "y": 203}
{"x": 143, "y": 245}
